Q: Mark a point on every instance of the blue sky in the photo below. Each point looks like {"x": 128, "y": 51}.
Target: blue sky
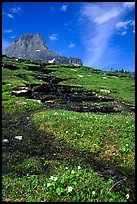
{"x": 102, "y": 34}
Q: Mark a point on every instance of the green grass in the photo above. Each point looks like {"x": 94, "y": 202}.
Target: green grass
{"x": 109, "y": 137}
{"x": 92, "y": 155}
{"x": 64, "y": 185}
{"x": 94, "y": 81}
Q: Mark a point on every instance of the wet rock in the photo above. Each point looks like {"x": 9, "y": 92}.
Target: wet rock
{"x": 23, "y": 76}
{"x": 51, "y": 79}
{"x": 10, "y": 66}
{"x": 21, "y": 91}
{"x": 32, "y": 68}
{"x": 128, "y": 107}
{"x": 89, "y": 98}
{"x": 94, "y": 108}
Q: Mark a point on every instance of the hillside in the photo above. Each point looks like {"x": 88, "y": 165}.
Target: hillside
{"x": 74, "y": 123}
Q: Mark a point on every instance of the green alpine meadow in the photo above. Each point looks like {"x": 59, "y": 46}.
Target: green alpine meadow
{"x": 68, "y": 133}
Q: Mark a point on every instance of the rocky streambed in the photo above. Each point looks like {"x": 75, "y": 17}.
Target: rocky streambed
{"x": 53, "y": 95}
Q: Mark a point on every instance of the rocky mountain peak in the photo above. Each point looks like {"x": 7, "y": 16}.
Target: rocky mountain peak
{"x": 33, "y": 47}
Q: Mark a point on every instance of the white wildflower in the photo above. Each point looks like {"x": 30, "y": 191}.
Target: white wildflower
{"x": 127, "y": 145}
{"x": 72, "y": 171}
{"x": 79, "y": 167}
{"x": 48, "y": 184}
{"x": 55, "y": 178}
{"x": 70, "y": 188}
{"x": 51, "y": 178}
{"x": 127, "y": 196}
{"x": 66, "y": 167}
{"x": 93, "y": 192}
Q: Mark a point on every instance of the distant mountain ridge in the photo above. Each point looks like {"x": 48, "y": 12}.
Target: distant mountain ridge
{"x": 33, "y": 47}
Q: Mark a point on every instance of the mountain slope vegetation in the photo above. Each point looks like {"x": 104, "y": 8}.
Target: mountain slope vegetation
{"x": 68, "y": 133}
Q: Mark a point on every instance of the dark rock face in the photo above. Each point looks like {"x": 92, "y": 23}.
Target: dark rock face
{"x": 33, "y": 47}
{"x": 75, "y": 61}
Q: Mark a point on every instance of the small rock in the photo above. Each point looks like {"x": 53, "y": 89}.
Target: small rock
{"x": 18, "y": 137}
{"x": 20, "y": 102}
{"x": 110, "y": 171}
{"x": 104, "y": 90}
{"x": 6, "y": 141}
{"x": 39, "y": 101}
{"x": 20, "y": 91}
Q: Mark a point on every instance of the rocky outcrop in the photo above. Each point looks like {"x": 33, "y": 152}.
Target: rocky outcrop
{"x": 75, "y": 61}
{"x": 33, "y": 47}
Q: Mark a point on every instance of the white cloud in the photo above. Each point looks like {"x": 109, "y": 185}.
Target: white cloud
{"x": 15, "y": 10}
{"x": 123, "y": 24}
{"x": 100, "y": 19}
{"x": 64, "y": 8}
{"x": 98, "y": 14}
{"x": 52, "y": 8}
{"x": 133, "y": 23}
{"x": 98, "y": 29}
{"x": 7, "y": 31}
{"x": 13, "y": 36}
{"x": 107, "y": 16}
{"x": 53, "y": 37}
{"x": 69, "y": 23}
{"x": 19, "y": 9}
{"x": 129, "y": 5}
{"x": 10, "y": 15}
{"x": 70, "y": 30}
{"x": 71, "y": 45}
{"x": 123, "y": 33}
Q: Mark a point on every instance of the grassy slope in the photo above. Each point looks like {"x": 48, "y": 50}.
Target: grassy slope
{"x": 89, "y": 80}
{"x": 102, "y": 144}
